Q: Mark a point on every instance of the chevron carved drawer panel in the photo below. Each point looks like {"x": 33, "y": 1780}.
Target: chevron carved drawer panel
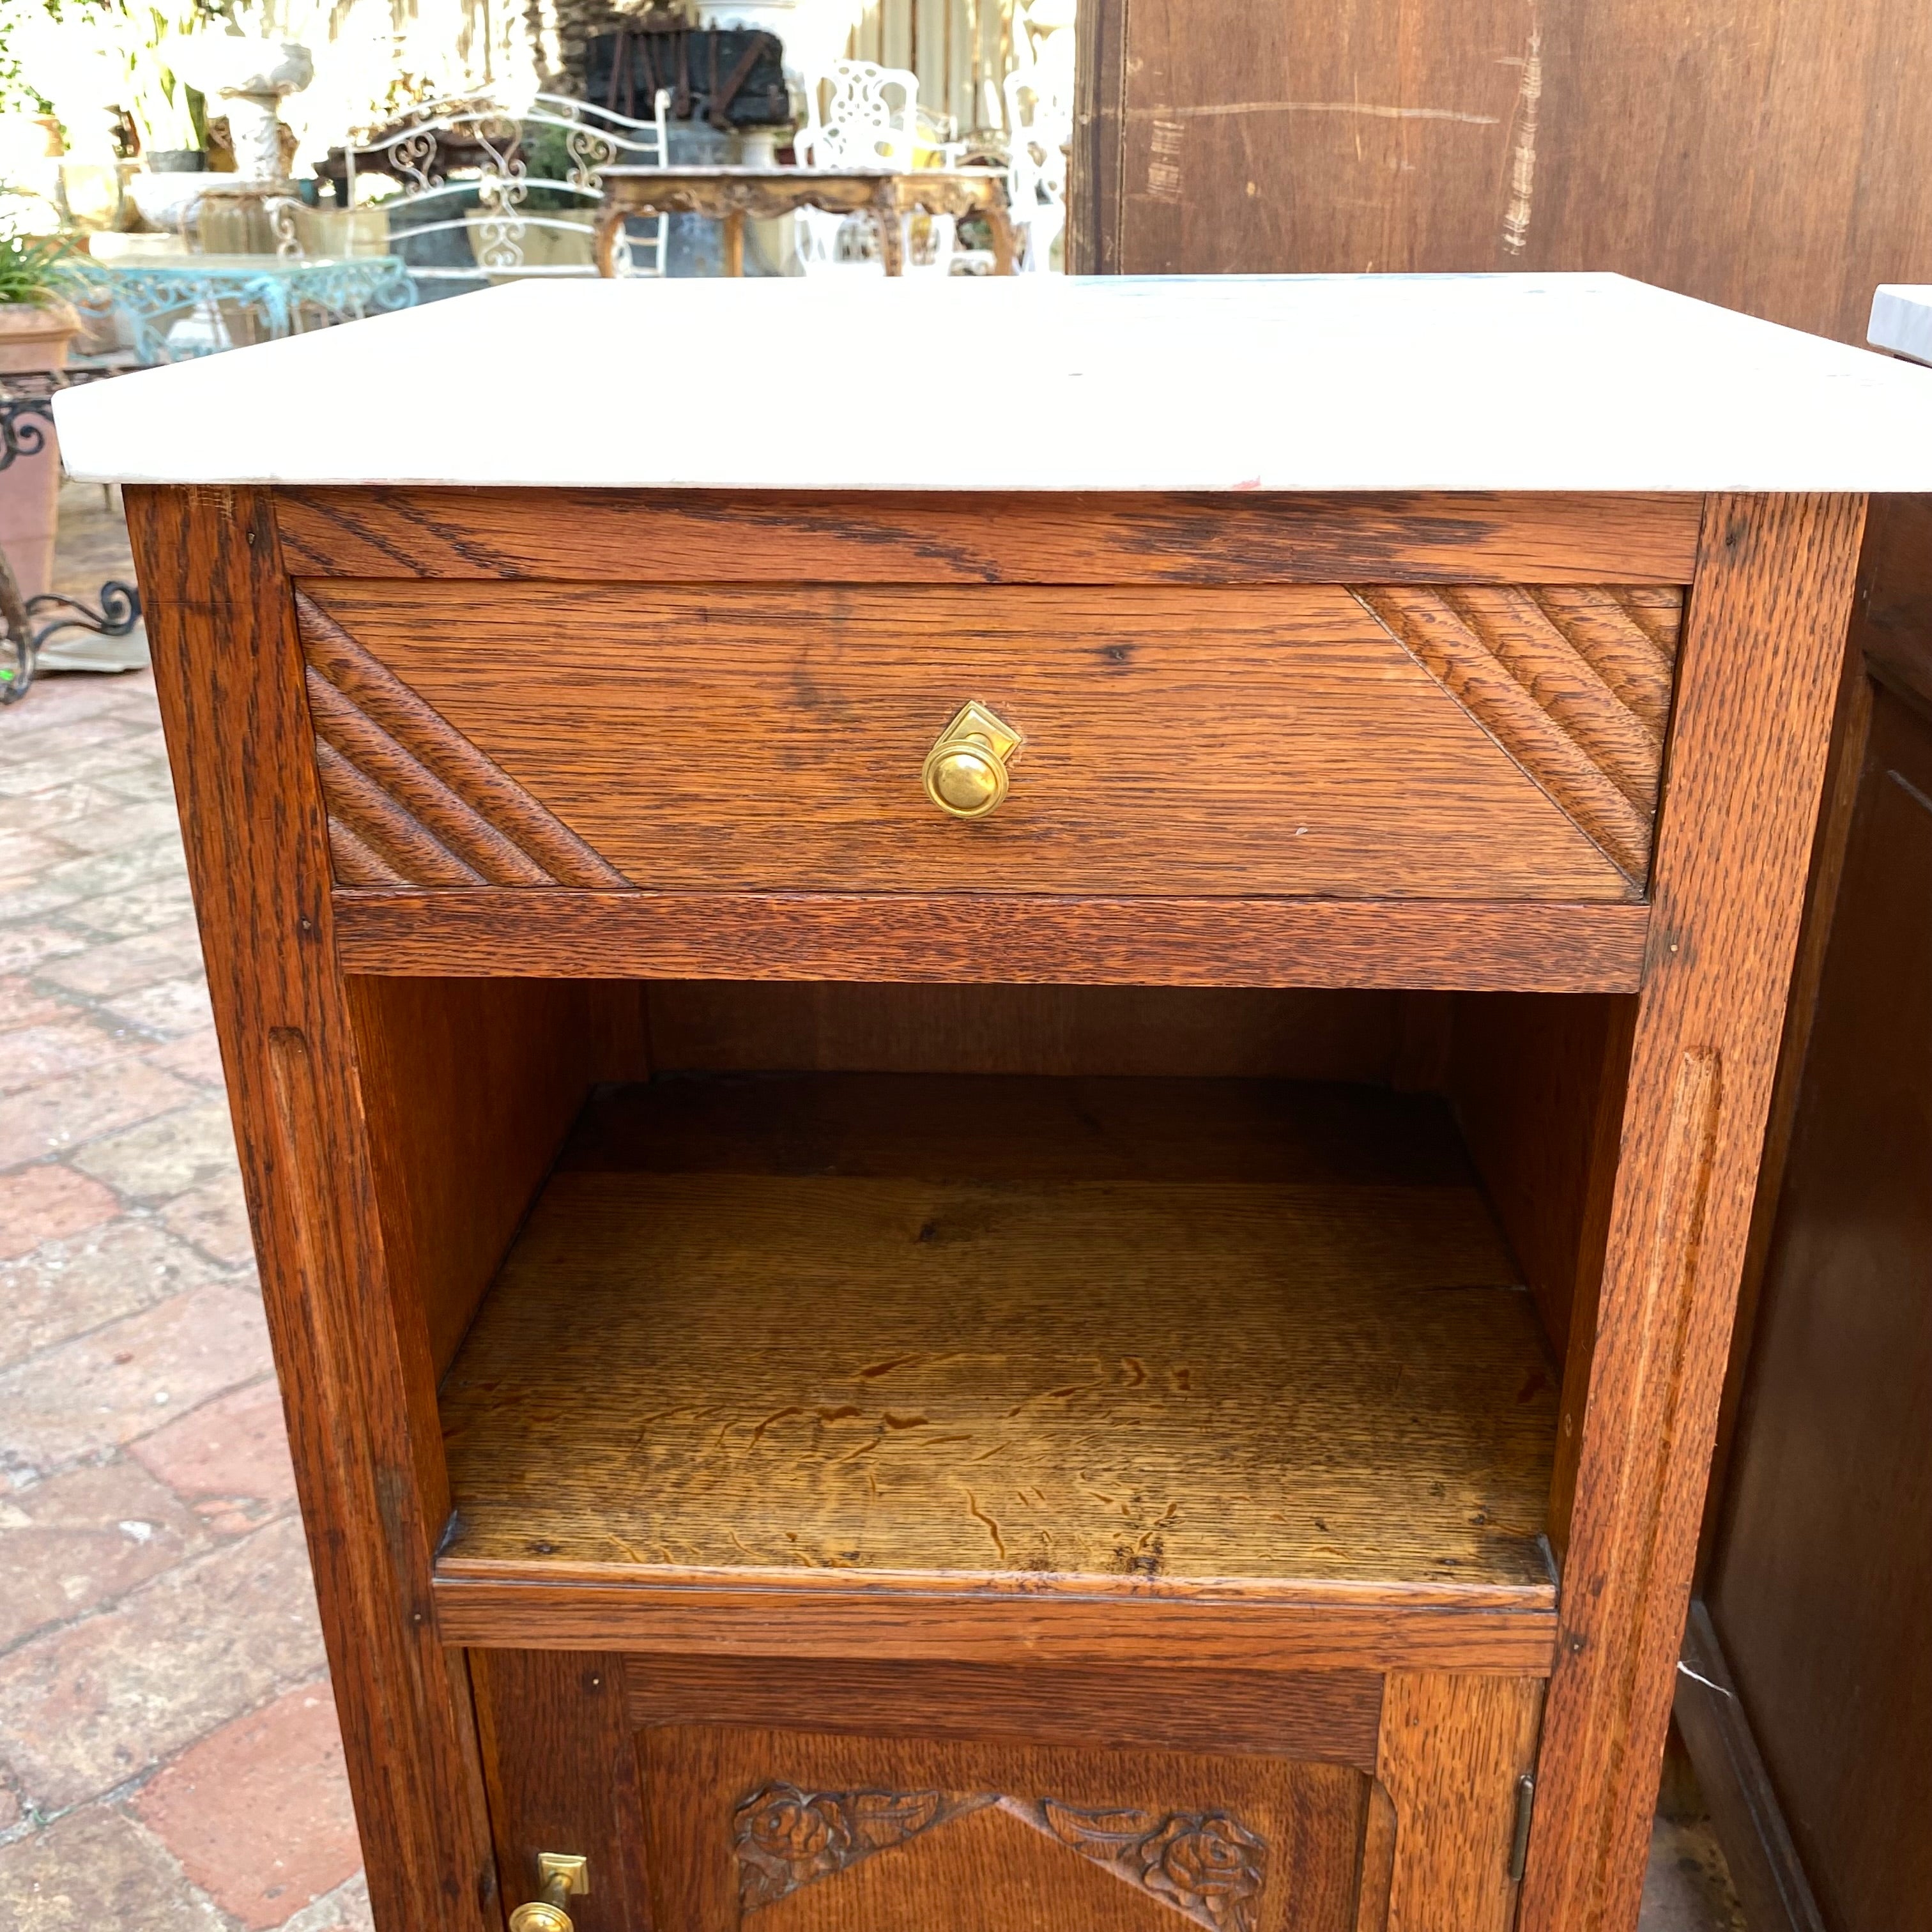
{"x": 1371, "y": 742}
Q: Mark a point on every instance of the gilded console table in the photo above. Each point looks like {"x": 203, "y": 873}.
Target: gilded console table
{"x": 732, "y": 194}
{"x": 1004, "y": 1186}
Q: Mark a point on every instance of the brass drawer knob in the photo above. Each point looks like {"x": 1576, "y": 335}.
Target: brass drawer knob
{"x": 559, "y": 1879}
{"x": 966, "y": 772}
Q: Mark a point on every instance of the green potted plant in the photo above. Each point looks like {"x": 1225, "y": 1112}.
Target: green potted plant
{"x": 36, "y": 326}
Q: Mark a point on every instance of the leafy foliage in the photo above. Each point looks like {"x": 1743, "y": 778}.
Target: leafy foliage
{"x": 30, "y": 267}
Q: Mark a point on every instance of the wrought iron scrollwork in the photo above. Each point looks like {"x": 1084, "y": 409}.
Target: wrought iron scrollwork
{"x": 119, "y": 613}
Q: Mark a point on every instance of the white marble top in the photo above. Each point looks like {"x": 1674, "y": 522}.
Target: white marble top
{"x": 1901, "y": 320}
{"x": 1319, "y": 383}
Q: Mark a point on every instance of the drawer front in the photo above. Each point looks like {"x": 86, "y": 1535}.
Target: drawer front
{"x": 1465, "y": 742}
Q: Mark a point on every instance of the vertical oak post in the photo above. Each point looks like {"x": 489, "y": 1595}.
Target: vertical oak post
{"x": 355, "y": 1380}
{"x": 1763, "y": 643}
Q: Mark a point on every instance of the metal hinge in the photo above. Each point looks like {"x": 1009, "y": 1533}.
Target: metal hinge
{"x": 1525, "y": 1803}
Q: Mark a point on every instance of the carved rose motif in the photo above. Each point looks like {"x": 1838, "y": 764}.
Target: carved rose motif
{"x": 1210, "y": 1864}
{"x": 791, "y": 1826}
{"x": 786, "y": 1837}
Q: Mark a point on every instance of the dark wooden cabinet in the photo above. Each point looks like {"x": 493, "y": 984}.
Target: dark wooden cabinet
{"x": 1812, "y": 1727}
{"x": 1767, "y": 154}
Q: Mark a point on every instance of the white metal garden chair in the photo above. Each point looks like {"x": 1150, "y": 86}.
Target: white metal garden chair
{"x": 469, "y": 167}
{"x": 1039, "y": 117}
{"x": 867, "y": 117}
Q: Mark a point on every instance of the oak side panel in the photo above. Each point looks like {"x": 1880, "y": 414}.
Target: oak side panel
{"x": 228, "y": 668}
{"x": 1453, "y": 1749}
{"x": 470, "y": 1086}
{"x": 1763, "y": 648}
{"x": 697, "y": 536}
{"x": 1532, "y": 1080}
{"x": 980, "y": 938}
{"x": 1329, "y": 1717}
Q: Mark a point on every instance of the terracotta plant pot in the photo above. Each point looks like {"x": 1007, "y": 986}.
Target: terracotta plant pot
{"x": 33, "y": 338}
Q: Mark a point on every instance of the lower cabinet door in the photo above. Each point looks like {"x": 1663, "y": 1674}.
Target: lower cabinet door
{"x": 705, "y": 1796}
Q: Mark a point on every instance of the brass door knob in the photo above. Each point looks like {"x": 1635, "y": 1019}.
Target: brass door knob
{"x": 560, "y": 1878}
{"x": 966, "y": 773}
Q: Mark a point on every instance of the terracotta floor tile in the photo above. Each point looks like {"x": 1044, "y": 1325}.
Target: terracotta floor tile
{"x": 23, "y": 947}
{"x": 195, "y": 1056}
{"x": 46, "y": 1204}
{"x": 174, "y": 1007}
{"x": 24, "y": 1005}
{"x": 111, "y": 871}
{"x": 230, "y": 1459}
{"x": 87, "y": 1707}
{"x": 67, "y": 1113}
{"x": 258, "y": 1812}
{"x": 153, "y": 902}
{"x": 165, "y": 953}
{"x": 58, "y": 804}
{"x": 56, "y": 1047}
{"x": 145, "y": 777}
{"x": 64, "y": 1287}
{"x": 345, "y": 1909}
{"x": 125, "y": 1380}
{"x": 23, "y": 854}
{"x": 215, "y": 1219}
{"x": 130, "y": 821}
{"x": 68, "y": 1545}
{"x": 162, "y": 1158}
{"x": 97, "y": 1871}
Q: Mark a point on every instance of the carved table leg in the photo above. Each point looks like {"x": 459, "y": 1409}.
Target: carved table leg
{"x": 610, "y": 219}
{"x": 734, "y": 244}
{"x": 891, "y": 236}
{"x": 1004, "y": 249}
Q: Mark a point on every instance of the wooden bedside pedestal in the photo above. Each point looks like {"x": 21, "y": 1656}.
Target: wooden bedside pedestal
{"x": 858, "y": 1369}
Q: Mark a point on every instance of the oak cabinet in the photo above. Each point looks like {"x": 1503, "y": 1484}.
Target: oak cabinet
{"x": 1016, "y": 1204}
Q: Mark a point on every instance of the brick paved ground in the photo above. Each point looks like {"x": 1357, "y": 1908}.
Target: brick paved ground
{"x": 169, "y": 1757}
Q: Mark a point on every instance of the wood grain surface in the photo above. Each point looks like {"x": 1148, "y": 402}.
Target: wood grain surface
{"x": 1819, "y": 1572}
{"x": 411, "y": 801}
{"x": 560, "y": 1759}
{"x": 1574, "y": 684}
{"x": 974, "y": 938}
{"x": 1765, "y": 154}
{"x": 1453, "y": 1826}
{"x": 1208, "y": 1032}
{"x": 1326, "y": 1716}
{"x": 1277, "y": 739}
{"x": 708, "y": 537}
{"x": 963, "y": 1836}
{"x": 470, "y": 1086}
{"x": 842, "y": 1370}
{"x": 1763, "y": 644}
{"x": 228, "y": 671}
